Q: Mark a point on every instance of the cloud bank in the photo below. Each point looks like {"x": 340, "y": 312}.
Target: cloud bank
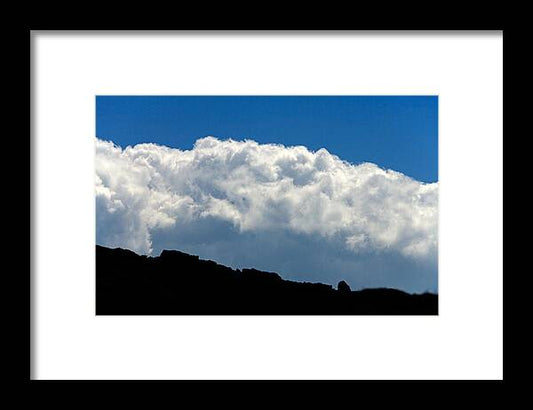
{"x": 307, "y": 215}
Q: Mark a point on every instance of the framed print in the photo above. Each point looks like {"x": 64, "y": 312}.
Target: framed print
{"x": 226, "y": 205}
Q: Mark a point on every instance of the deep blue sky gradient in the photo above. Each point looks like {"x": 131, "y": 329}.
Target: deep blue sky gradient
{"x": 396, "y": 132}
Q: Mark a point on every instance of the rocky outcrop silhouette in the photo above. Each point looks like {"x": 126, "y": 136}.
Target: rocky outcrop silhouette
{"x": 343, "y": 287}
{"x": 176, "y": 283}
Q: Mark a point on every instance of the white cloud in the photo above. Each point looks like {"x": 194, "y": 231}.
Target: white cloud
{"x": 258, "y": 197}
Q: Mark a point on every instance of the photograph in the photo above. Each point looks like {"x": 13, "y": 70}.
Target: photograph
{"x": 266, "y": 205}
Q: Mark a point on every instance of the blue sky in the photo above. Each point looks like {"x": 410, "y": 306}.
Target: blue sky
{"x": 396, "y": 132}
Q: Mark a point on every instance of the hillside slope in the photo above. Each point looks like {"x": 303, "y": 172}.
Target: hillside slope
{"x": 176, "y": 283}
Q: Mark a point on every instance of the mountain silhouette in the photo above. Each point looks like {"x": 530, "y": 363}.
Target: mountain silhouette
{"x": 176, "y": 283}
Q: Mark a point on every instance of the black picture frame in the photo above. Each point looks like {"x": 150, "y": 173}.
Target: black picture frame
{"x": 24, "y": 34}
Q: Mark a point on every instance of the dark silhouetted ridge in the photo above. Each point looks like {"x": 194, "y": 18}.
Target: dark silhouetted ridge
{"x": 176, "y": 283}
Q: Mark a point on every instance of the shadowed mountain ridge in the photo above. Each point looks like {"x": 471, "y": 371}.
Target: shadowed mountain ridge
{"x": 176, "y": 283}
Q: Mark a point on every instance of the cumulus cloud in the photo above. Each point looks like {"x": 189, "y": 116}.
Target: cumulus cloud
{"x": 272, "y": 207}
